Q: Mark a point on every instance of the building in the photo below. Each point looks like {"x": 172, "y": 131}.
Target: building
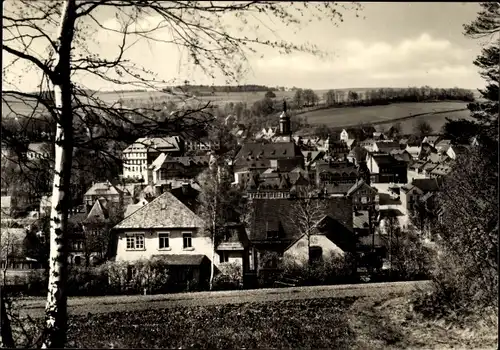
{"x": 363, "y": 196}
{"x": 335, "y": 173}
{"x": 411, "y": 193}
{"x": 386, "y": 146}
{"x": 273, "y": 230}
{"x": 384, "y": 168}
{"x": 110, "y": 192}
{"x": 40, "y": 151}
{"x": 284, "y": 132}
{"x": 138, "y": 156}
{"x": 167, "y": 168}
{"x": 167, "y": 229}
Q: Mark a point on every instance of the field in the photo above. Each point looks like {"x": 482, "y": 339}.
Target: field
{"x": 379, "y": 321}
{"x": 433, "y": 112}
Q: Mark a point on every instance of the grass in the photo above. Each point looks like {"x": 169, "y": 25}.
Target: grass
{"x": 351, "y": 116}
{"x": 381, "y": 321}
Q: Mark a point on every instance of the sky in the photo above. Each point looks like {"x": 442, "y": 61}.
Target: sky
{"x": 389, "y": 45}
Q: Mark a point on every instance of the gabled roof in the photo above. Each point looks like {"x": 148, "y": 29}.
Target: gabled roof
{"x": 103, "y": 189}
{"x": 387, "y": 146}
{"x": 427, "y": 185}
{"x": 165, "y": 143}
{"x": 166, "y": 211}
{"x": 385, "y": 159}
{"x": 277, "y": 212}
{"x": 360, "y": 183}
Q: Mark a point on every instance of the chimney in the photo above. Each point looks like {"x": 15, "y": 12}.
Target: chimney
{"x": 157, "y": 190}
{"x": 185, "y": 188}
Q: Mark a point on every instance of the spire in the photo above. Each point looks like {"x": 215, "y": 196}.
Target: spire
{"x": 284, "y": 105}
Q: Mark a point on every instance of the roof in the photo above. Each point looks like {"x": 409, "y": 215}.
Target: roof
{"x": 428, "y": 166}
{"x": 427, "y": 185}
{"x": 360, "y": 219}
{"x": 276, "y": 213}
{"x": 387, "y": 146}
{"x": 337, "y": 189}
{"x": 132, "y": 208}
{"x": 432, "y": 139}
{"x": 267, "y": 151}
{"x": 358, "y": 185}
{"x": 165, "y": 143}
{"x": 39, "y": 147}
{"x": 385, "y": 159}
{"x": 166, "y": 211}
{"x": 441, "y": 169}
{"x": 102, "y": 189}
{"x": 181, "y": 259}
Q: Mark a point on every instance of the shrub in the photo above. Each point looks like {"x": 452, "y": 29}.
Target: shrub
{"x": 37, "y": 282}
{"x": 411, "y": 259}
{"x": 230, "y": 276}
{"x": 332, "y": 270}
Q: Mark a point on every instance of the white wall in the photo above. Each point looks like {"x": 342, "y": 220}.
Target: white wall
{"x": 299, "y": 250}
{"x": 200, "y": 245}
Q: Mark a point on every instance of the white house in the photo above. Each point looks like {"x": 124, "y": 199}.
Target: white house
{"x": 344, "y": 136}
{"x": 135, "y": 156}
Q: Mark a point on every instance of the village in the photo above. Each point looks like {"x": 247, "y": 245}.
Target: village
{"x": 371, "y": 189}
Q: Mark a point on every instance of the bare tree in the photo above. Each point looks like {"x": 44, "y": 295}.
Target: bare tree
{"x": 62, "y": 58}
{"x": 308, "y": 209}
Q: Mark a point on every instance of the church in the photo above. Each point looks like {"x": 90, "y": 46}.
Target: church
{"x": 282, "y": 155}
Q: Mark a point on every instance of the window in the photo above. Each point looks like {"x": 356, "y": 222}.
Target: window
{"x": 163, "y": 241}
{"x": 224, "y": 257}
{"x": 135, "y": 242}
{"x": 364, "y": 200}
{"x": 187, "y": 240}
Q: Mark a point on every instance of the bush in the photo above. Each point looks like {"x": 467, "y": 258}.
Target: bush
{"x": 411, "y": 259}
{"x": 332, "y": 270}
{"x": 230, "y": 276}
{"x": 37, "y": 282}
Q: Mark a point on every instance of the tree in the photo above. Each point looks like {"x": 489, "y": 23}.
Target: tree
{"x": 63, "y": 59}
{"x": 310, "y": 97}
{"x": 270, "y": 94}
{"x": 487, "y": 24}
{"x": 422, "y": 128}
{"x": 330, "y": 98}
{"x": 352, "y": 96}
{"x": 307, "y": 211}
{"x": 461, "y": 131}
{"x": 298, "y": 98}
{"x": 218, "y": 204}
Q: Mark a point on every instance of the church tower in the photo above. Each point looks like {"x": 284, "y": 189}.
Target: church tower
{"x": 285, "y": 129}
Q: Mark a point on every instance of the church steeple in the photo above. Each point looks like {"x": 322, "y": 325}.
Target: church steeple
{"x": 285, "y": 128}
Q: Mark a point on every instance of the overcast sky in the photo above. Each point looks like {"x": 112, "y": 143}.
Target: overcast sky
{"x": 394, "y": 45}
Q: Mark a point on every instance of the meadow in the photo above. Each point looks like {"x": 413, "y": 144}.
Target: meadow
{"x": 432, "y": 112}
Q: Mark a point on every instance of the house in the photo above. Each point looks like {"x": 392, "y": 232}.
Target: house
{"x": 344, "y": 136}
{"x": 273, "y": 230}
{"x": 108, "y": 191}
{"x": 40, "y": 151}
{"x": 261, "y": 156}
{"x": 13, "y": 260}
{"x": 311, "y": 157}
{"x": 413, "y": 150}
{"x": 166, "y": 168}
{"x": 384, "y": 168}
{"x": 411, "y": 193}
{"x": 368, "y": 144}
{"x": 363, "y": 196}
{"x": 203, "y": 144}
{"x": 337, "y": 149}
{"x": 167, "y": 229}
{"x": 440, "y": 170}
{"x": 8, "y": 205}
{"x": 401, "y": 155}
{"x": 431, "y": 140}
{"x": 335, "y": 173}
{"x": 385, "y": 146}
{"x": 139, "y": 155}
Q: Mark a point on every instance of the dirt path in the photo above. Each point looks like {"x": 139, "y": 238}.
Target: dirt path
{"x": 84, "y": 305}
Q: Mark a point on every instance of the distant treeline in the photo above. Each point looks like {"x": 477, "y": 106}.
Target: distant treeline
{"x": 221, "y": 88}
{"x": 383, "y": 96}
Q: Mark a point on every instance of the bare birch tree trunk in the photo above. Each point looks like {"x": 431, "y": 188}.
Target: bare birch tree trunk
{"x": 56, "y": 308}
{"x": 6, "y": 340}
{"x": 214, "y": 232}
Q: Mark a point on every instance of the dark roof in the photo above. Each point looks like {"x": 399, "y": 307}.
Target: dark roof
{"x": 166, "y": 211}
{"x": 388, "y": 146}
{"x": 181, "y": 259}
{"x": 386, "y": 159}
{"x": 337, "y": 188}
{"x": 275, "y": 214}
{"x": 427, "y": 185}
